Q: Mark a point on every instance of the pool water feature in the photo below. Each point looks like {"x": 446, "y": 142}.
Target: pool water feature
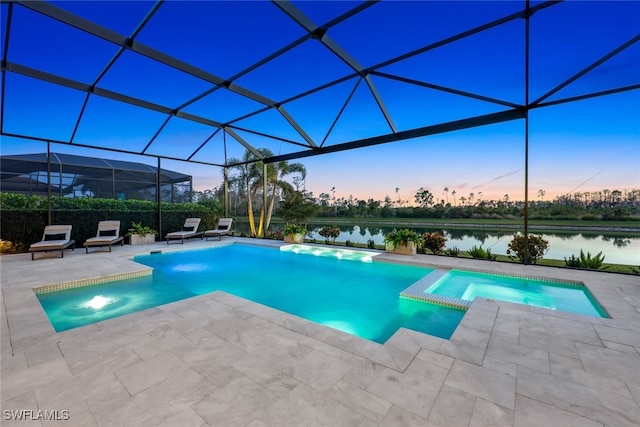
{"x": 554, "y": 295}
{"x": 346, "y": 254}
{"x": 360, "y": 298}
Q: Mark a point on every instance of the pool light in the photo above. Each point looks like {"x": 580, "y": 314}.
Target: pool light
{"x": 97, "y": 302}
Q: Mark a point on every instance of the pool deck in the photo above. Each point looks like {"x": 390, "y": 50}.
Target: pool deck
{"x": 220, "y": 360}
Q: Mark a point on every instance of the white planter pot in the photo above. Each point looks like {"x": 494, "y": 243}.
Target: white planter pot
{"x": 142, "y": 239}
{"x": 294, "y": 238}
{"x": 408, "y": 249}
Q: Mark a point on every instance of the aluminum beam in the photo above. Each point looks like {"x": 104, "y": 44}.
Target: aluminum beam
{"x": 585, "y": 70}
{"x": 320, "y": 33}
{"x": 472, "y": 122}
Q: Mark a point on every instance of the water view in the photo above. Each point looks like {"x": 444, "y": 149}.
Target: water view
{"x": 618, "y": 248}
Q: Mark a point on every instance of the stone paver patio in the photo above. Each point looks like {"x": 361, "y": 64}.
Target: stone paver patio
{"x": 220, "y": 360}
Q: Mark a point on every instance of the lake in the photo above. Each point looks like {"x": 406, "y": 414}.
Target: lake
{"x": 617, "y": 247}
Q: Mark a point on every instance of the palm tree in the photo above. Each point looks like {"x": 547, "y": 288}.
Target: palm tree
{"x": 248, "y": 180}
{"x": 541, "y": 194}
{"x": 453, "y": 193}
{"x": 276, "y": 173}
{"x": 446, "y": 191}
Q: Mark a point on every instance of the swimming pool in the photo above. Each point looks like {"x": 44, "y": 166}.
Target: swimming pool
{"x": 360, "y": 298}
{"x": 466, "y": 285}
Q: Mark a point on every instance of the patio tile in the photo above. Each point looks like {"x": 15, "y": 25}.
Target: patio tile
{"x": 219, "y": 349}
{"x": 487, "y": 413}
{"x": 610, "y": 363}
{"x": 452, "y": 408}
{"x": 210, "y": 354}
{"x": 363, "y": 372}
{"x": 415, "y": 390}
{"x": 622, "y": 348}
{"x": 435, "y": 358}
{"x": 518, "y": 354}
{"x": 155, "y": 405}
{"x": 618, "y": 335}
{"x": 566, "y": 367}
{"x": 359, "y": 400}
{"x": 13, "y": 363}
{"x": 86, "y": 355}
{"x": 25, "y": 402}
{"x": 236, "y": 404}
{"x": 259, "y": 369}
{"x": 402, "y": 348}
{"x": 142, "y": 375}
{"x": 577, "y": 398}
{"x": 318, "y": 370}
{"x": 500, "y": 366}
{"x": 488, "y": 384}
{"x": 159, "y": 341}
{"x": 574, "y": 331}
{"x": 22, "y": 381}
{"x": 548, "y": 343}
{"x": 399, "y": 417}
{"x": 78, "y": 388}
{"x": 531, "y": 413}
{"x": 307, "y": 407}
{"x": 186, "y": 418}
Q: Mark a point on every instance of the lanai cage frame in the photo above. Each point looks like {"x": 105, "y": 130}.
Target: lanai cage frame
{"x": 222, "y": 133}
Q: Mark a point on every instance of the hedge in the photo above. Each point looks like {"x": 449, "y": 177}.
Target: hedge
{"x": 23, "y": 217}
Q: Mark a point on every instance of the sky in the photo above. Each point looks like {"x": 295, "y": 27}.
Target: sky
{"x": 585, "y": 146}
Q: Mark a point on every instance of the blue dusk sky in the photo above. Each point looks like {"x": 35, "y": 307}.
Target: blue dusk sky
{"x": 584, "y": 146}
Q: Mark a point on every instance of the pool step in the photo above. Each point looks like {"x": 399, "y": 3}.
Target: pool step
{"x": 418, "y": 292}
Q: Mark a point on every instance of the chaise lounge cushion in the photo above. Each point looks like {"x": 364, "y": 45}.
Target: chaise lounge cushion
{"x": 108, "y": 234}
{"x": 223, "y": 228}
{"x": 54, "y": 238}
{"x": 189, "y": 229}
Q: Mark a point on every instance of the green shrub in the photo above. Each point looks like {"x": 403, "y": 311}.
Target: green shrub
{"x": 138, "y": 228}
{"x": 537, "y": 248}
{"x": 454, "y": 252}
{"x": 586, "y": 261}
{"x": 293, "y": 228}
{"x": 402, "y": 237}
{"x": 435, "y": 242}
{"x": 371, "y": 244}
{"x": 349, "y": 244}
{"x": 479, "y": 252}
{"x": 330, "y": 232}
{"x": 24, "y": 217}
{"x": 573, "y": 261}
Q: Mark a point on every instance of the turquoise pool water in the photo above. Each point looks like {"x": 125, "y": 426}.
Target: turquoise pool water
{"x": 467, "y": 285}
{"x": 361, "y": 298}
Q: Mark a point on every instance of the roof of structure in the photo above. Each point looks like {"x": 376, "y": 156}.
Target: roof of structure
{"x": 206, "y": 81}
{"x": 24, "y": 171}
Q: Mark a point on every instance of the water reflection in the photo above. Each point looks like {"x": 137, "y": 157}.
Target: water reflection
{"x": 616, "y": 247}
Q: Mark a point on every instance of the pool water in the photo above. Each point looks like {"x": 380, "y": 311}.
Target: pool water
{"x": 574, "y": 298}
{"x": 360, "y": 298}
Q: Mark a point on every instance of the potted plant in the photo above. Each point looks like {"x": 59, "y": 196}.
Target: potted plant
{"x": 402, "y": 241}
{"x": 294, "y": 233}
{"x": 141, "y": 234}
{"x": 295, "y": 208}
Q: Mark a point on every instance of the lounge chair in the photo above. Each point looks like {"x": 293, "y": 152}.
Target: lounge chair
{"x": 190, "y": 229}
{"x": 54, "y": 238}
{"x": 223, "y": 229}
{"x": 108, "y": 234}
